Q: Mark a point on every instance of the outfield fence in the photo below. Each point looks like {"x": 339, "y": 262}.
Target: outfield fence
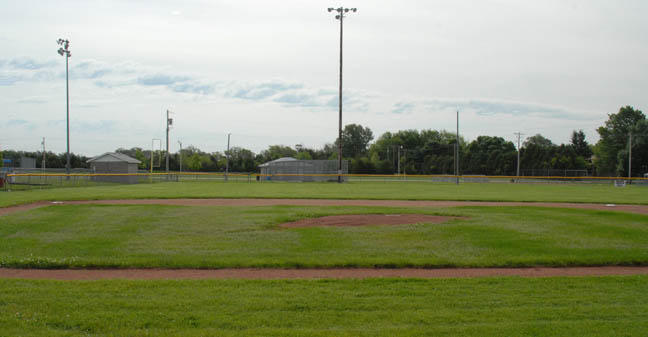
{"x": 26, "y": 181}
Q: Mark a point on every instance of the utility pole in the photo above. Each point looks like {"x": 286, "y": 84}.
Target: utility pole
{"x": 519, "y": 134}
{"x": 64, "y": 50}
{"x": 399, "y": 149}
{"x": 393, "y": 157}
{"x": 43, "y": 164}
{"x": 457, "y": 151}
{"x": 227, "y": 156}
{"x": 340, "y": 16}
{"x": 630, "y": 157}
{"x": 179, "y": 142}
{"x": 405, "y": 161}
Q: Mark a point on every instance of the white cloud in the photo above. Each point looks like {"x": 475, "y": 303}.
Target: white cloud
{"x": 268, "y": 71}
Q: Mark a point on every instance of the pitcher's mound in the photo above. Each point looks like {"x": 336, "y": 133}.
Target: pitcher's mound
{"x": 367, "y": 219}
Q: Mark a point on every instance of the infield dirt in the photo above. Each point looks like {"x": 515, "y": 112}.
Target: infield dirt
{"x": 262, "y": 273}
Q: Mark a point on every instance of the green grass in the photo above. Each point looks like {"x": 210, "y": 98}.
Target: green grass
{"x": 594, "y": 306}
{"x": 594, "y": 193}
{"x": 216, "y": 237}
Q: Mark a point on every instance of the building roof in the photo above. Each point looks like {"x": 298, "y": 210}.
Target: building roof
{"x": 114, "y": 157}
{"x": 277, "y": 160}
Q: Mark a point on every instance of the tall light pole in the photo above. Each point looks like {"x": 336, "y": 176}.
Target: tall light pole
{"x": 340, "y": 16}
{"x": 457, "y": 151}
{"x": 169, "y": 122}
{"x": 227, "y": 156}
{"x": 64, "y": 50}
{"x": 399, "y": 156}
{"x": 518, "y": 134}
{"x": 43, "y": 164}
{"x": 630, "y": 156}
{"x": 179, "y": 142}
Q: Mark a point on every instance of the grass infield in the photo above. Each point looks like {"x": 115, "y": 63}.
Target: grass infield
{"x": 150, "y": 236}
{"x": 581, "y": 193}
{"x": 594, "y": 306}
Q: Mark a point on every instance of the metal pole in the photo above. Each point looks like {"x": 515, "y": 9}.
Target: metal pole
{"x": 404, "y": 161}
{"x": 630, "y": 158}
{"x": 43, "y": 164}
{"x": 67, "y": 102}
{"x": 457, "y": 151}
{"x": 179, "y": 142}
{"x": 152, "y": 145}
{"x": 518, "y": 156}
{"x": 227, "y": 156}
{"x": 340, "y": 104}
{"x": 167, "y": 143}
{"x": 519, "y": 134}
{"x": 399, "y": 148}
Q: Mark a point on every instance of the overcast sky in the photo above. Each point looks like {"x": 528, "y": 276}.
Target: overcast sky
{"x": 267, "y": 71}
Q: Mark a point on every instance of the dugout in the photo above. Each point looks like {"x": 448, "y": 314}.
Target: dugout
{"x": 303, "y": 170}
{"x": 115, "y": 163}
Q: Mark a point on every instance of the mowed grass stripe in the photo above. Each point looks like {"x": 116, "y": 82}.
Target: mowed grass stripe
{"x": 156, "y": 236}
{"x": 595, "y": 306}
{"x": 580, "y": 193}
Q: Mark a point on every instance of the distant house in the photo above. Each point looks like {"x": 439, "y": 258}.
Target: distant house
{"x": 115, "y": 163}
{"x": 291, "y": 169}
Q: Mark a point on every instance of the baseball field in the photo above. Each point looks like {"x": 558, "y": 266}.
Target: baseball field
{"x": 354, "y": 259}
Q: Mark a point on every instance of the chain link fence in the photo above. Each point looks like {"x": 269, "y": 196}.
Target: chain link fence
{"x": 27, "y": 181}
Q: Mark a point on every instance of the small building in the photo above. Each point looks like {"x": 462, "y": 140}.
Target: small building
{"x": 115, "y": 163}
{"x": 27, "y": 163}
{"x": 291, "y": 169}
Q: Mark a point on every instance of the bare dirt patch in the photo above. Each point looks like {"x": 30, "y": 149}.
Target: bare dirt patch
{"x": 25, "y": 207}
{"x": 639, "y": 209}
{"x": 355, "y": 220}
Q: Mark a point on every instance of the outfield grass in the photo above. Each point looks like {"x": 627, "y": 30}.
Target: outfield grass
{"x": 595, "y": 306}
{"x": 595, "y": 193}
{"x": 217, "y": 237}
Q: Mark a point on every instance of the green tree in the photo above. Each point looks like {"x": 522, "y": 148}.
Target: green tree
{"x": 580, "y": 145}
{"x": 304, "y": 155}
{"x": 275, "y": 152}
{"x": 537, "y": 153}
{"x": 639, "y": 151}
{"x": 242, "y": 160}
{"x": 355, "y": 140}
{"x": 194, "y": 162}
{"x": 538, "y": 140}
{"x": 139, "y": 155}
{"x": 422, "y": 152}
{"x": 613, "y": 142}
{"x": 490, "y": 156}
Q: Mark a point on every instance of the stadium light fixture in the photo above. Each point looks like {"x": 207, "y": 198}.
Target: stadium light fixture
{"x": 340, "y": 16}
{"x": 64, "y": 50}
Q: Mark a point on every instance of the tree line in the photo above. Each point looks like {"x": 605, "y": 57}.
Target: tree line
{"x": 425, "y": 152}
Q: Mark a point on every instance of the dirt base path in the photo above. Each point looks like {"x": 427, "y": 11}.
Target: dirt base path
{"x": 640, "y": 209}
{"x": 269, "y": 274}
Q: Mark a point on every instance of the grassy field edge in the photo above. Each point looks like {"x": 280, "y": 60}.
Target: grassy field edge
{"x": 495, "y": 192}
{"x": 559, "y": 306}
